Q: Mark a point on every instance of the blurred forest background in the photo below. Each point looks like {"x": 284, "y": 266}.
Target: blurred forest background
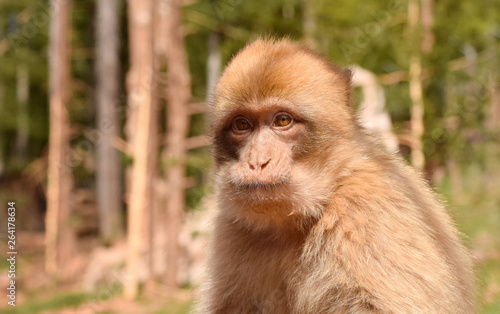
{"x": 102, "y": 131}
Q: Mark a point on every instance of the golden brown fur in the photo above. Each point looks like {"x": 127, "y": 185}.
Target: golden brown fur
{"x": 316, "y": 217}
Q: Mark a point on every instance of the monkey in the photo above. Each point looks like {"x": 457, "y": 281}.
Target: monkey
{"x": 314, "y": 216}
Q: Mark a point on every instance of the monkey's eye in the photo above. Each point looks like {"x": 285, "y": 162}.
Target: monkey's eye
{"x": 241, "y": 124}
{"x": 282, "y": 120}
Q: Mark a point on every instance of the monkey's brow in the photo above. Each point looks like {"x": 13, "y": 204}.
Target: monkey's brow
{"x": 264, "y": 106}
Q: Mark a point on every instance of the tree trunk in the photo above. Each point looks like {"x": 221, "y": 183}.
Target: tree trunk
{"x": 214, "y": 63}
{"x": 140, "y": 89}
{"x": 493, "y": 118}
{"x": 22, "y": 96}
{"x": 59, "y": 236}
{"x": 417, "y": 112}
{"x": 372, "y": 110}
{"x": 427, "y": 23}
{"x": 309, "y": 23}
{"x": 415, "y": 81}
{"x": 158, "y": 225}
{"x": 152, "y": 171}
{"x": 2, "y": 138}
{"x": 178, "y": 95}
{"x": 109, "y": 192}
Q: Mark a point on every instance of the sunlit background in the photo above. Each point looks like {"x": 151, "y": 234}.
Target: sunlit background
{"x": 103, "y": 152}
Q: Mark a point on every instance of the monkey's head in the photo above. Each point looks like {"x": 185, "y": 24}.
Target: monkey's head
{"x": 279, "y": 117}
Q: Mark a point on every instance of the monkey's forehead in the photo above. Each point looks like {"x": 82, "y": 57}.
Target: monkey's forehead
{"x": 279, "y": 69}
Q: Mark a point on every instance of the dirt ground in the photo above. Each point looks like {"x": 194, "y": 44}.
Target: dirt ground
{"x": 36, "y": 293}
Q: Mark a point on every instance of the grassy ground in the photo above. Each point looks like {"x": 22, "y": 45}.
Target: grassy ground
{"x": 76, "y": 302}
{"x": 475, "y": 206}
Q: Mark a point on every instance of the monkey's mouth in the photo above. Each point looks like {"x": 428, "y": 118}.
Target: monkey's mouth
{"x": 261, "y": 190}
{"x": 260, "y": 184}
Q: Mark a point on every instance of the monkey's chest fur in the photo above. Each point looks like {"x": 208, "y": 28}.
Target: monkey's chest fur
{"x": 260, "y": 272}
{"x": 275, "y": 273}
{"x": 342, "y": 263}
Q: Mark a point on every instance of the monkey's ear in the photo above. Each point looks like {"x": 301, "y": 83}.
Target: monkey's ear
{"x": 346, "y": 74}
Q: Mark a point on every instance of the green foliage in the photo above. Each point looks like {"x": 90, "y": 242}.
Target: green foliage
{"x": 198, "y": 167}
{"x": 23, "y": 31}
{"x": 239, "y": 21}
{"x": 474, "y": 203}
{"x": 176, "y": 307}
{"x": 72, "y": 300}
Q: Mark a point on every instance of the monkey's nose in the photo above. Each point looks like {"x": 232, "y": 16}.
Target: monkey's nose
{"x": 258, "y": 165}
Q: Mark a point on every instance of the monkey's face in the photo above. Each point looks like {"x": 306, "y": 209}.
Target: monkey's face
{"x": 263, "y": 168}
{"x": 259, "y": 148}
{"x": 278, "y": 114}
{"x": 270, "y": 163}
